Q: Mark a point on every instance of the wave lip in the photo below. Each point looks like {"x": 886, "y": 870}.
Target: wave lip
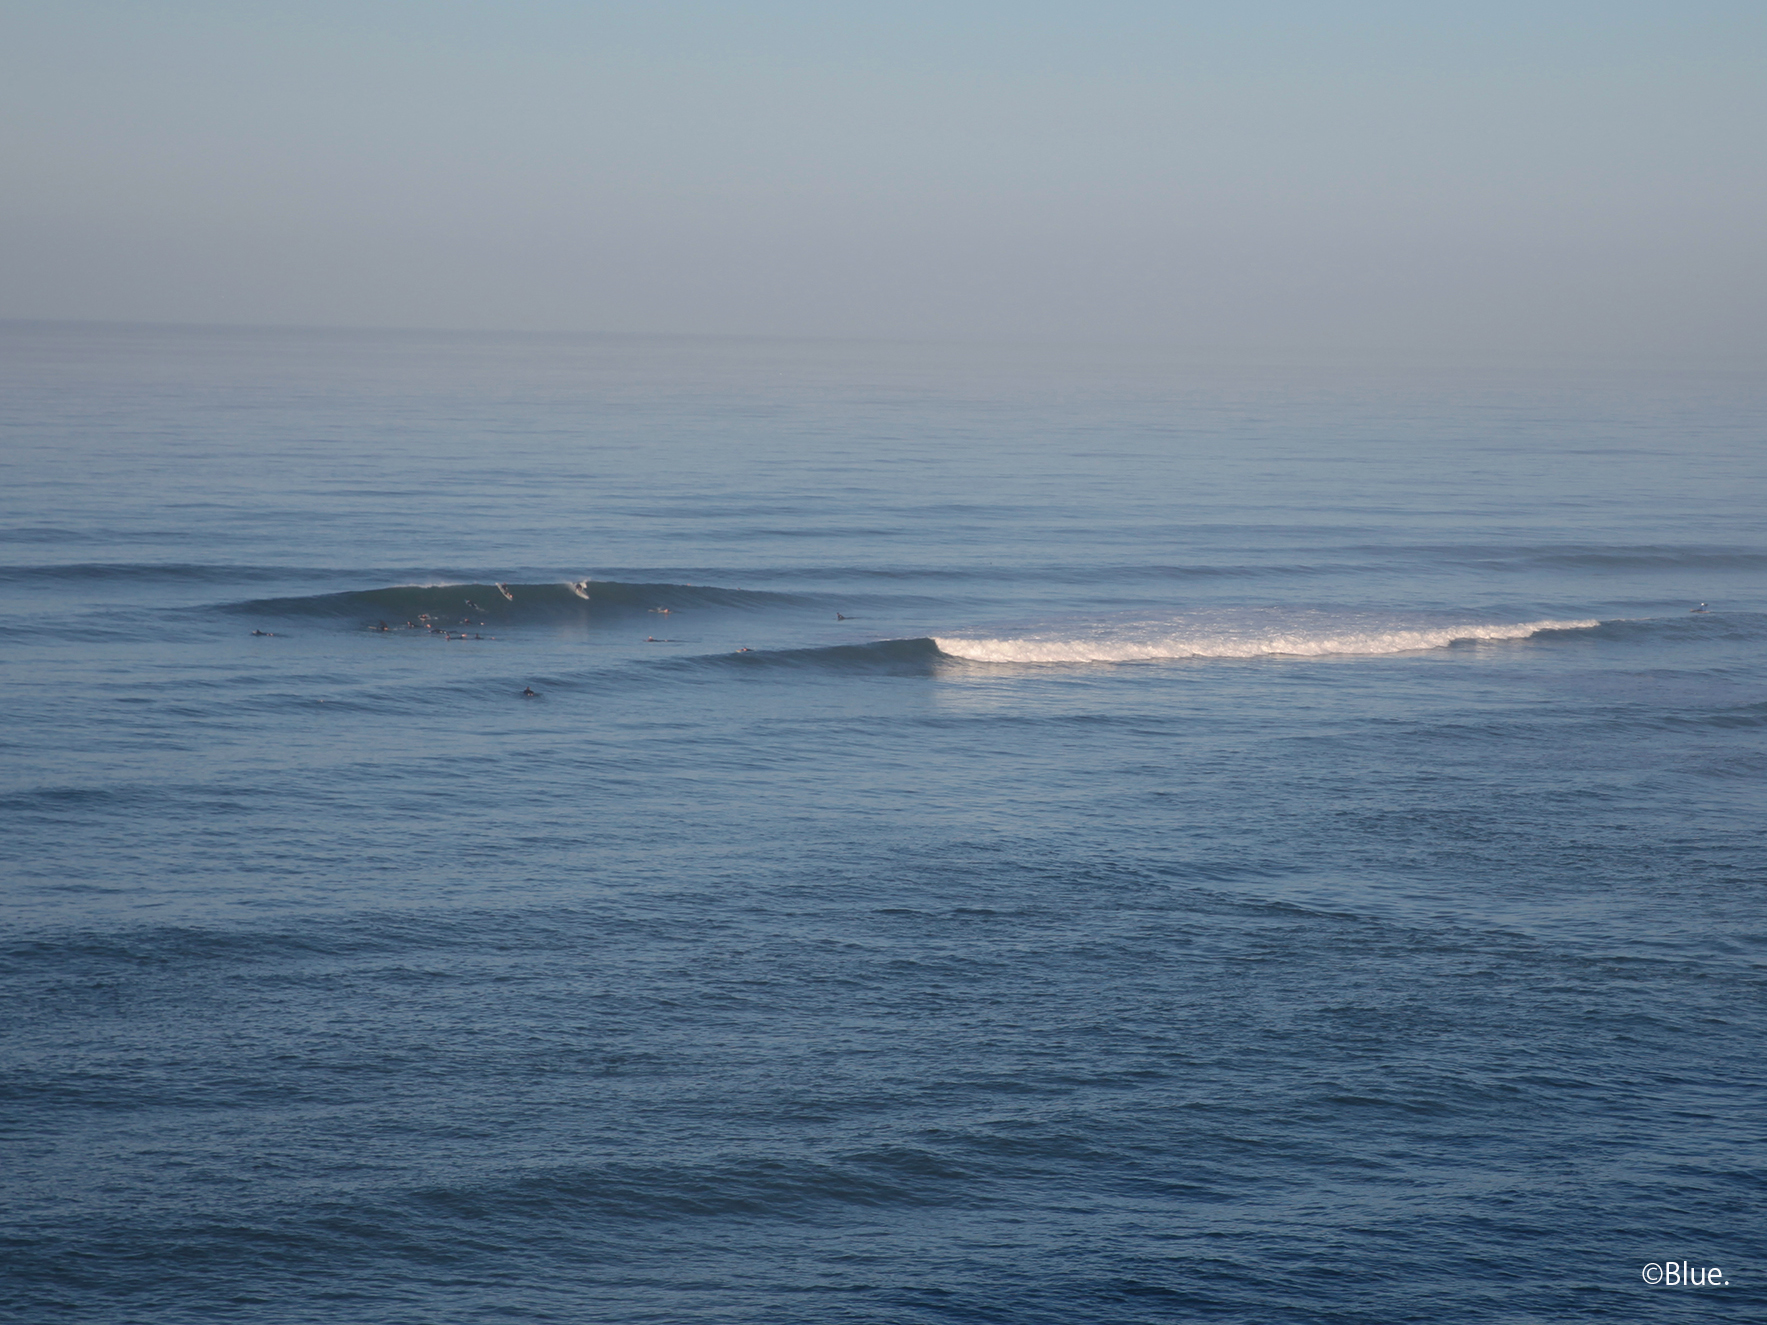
{"x": 1264, "y": 633}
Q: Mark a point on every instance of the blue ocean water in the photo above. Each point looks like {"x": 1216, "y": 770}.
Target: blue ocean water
{"x": 1000, "y": 834}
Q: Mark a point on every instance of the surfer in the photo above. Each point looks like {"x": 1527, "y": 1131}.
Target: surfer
{"x": 839, "y": 617}
{"x": 382, "y": 627}
{"x": 1700, "y": 608}
{"x": 530, "y": 693}
{"x": 504, "y": 590}
{"x": 580, "y": 588}
{"x": 263, "y": 632}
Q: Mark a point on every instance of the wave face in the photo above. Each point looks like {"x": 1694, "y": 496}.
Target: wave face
{"x": 485, "y": 601}
{"x": 1272, "y": 632}
{"x": 891, "y": 657}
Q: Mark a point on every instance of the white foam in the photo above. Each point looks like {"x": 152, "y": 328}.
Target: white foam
{"x": 1252, "y": 634}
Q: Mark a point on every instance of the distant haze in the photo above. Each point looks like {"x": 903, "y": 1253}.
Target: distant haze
{"x": 1579, "y": 177}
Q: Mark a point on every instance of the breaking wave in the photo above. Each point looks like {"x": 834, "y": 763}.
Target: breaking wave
{"x": 1249, "y": 634}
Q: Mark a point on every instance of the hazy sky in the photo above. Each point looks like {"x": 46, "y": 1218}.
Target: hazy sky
{"x": 1480, "y": 176}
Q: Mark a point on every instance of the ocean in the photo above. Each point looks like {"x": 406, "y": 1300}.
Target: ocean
{"x": 997, "y": 834}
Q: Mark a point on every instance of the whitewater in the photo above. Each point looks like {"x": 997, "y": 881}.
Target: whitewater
{"x": 1308, "y": 633}
{"x": 549, "y": 828}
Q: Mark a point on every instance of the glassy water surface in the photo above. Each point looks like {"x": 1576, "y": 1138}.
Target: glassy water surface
{"x": 998, "y": 834}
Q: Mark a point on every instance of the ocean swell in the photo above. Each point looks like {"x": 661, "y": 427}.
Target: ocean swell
{"x": 509, "y": 602}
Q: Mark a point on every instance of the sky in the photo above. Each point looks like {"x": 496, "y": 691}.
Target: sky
{"x": 1542, "y": 178}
